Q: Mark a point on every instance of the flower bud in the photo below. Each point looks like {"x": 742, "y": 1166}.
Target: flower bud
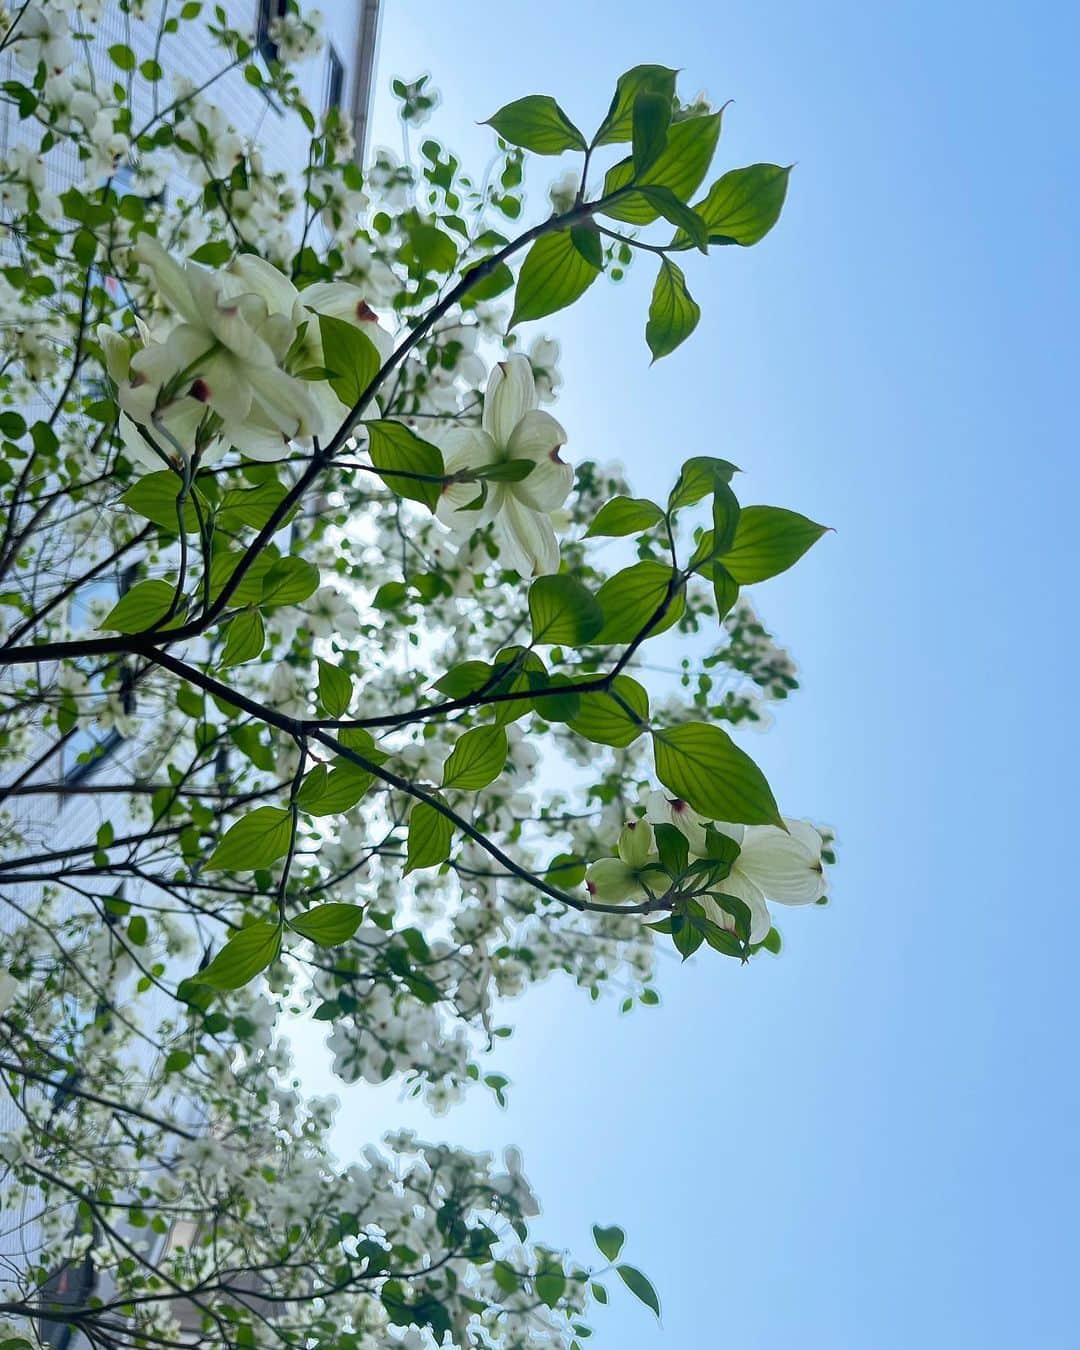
{"x": 611, "y": 880}
{"x": 636, "y": 842}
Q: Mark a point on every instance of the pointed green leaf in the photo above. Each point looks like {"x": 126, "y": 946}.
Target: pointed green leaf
{"x": 703, "y": 766}
{"x": 742, "y": 207}
{"x": 255, "y": 840}
{"x": 245, "y": 954}
{"x": 673, "y": 313}
{"x": 144, "y": 605}
{"x": 398, "y": 453}
{"x": 244, "y": 639}
{"x": 697, "y": 478}
{"x": 537, "y": 123}
{"x": 618, "y": 125}
{"x": 624, "y": 515}
{"x": 351, "y": 355}
{"x": 632, "y": 598}
{"x": 651, "y": 119}
{"x": 335, "y": 688}
{"x": 681, "y": 167}
{"x": 603, "y": 717}
{"x": 609, "y": 1241}
{"x": 563, "y": 611}
{"x": 554, "y": 274}
{"x": 328, "y": 925}
{"x": 430, "y": 837}
{"x": 639, "y": 1286}
{"x": 477, "y": 759}
{"x": 768, "y": 541}
{"x": 154, "y": 496}
{"x": 289, "y": 581}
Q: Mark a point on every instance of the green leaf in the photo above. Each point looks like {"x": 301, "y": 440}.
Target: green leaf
{"x": 586, "y": 239}
{"x": 486, "y": 287}
{"x": 215, "y": 253}
{"x": 768, "y": 541}
{"x": 563, "y": 611}
{"x": 398, "y": 452}
{"x": 250, "y": 506}
{"x": 537, "y": 123}
{"x": 289, "y": 581}
{"x": 144, "y": 605}
{"x": 703, "y": 766}
{"x": 639, "y": 1286}
{"x": 602, "y": 718}
{"x": 678, "y": 213}
{"x": 426, "y": 248}
{"x": 681, "y": 167}
{"x": 550, "y": 1285}
{"x": 673, "y": 313}
{"x": 742, "y": 207}
{"x": 328, "y": 925}
{"x": 244, "y": 639}
{"x": 618, "y": 125}
{"x": 673, "y": 849}
{"x": 430, "y": 837}
{"x": 249, "y": 591}
{"x": 554, "y": 274}
{"x": 609, "y": 1241}
{"x": 330, "y": 792}
{"x": 697, "y": 478}
{"x": 122, "y": 56}
{"x": 154, "y": 496}
{"x": 630, "y": 600}
{"x": 651, "y": 119}
{"x": 351, "y": 355}
{"x": 477, "y": 759}
{"x": 335, "y": 688}
{"x": 506, "y": 471}
{"x": 242, "y": 958}
{"x": 624, "y": 515}
{"x": 256, "y": 840}
{"x": 725, "y": 589}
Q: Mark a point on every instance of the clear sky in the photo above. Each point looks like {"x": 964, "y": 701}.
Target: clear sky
{"x": 870, "y": 1142}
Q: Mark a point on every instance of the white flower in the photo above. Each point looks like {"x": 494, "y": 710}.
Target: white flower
{"x": 773, "y": 864}
{"x": 225, "y": 353}
{"x": 564, "y": 190}
{"x": 664, "y": 810}
{"x": 42, "y": 35}
{"x": 513, "y": 428}
{"x": 612, "y": 881}
{"x": 544, "y": 359}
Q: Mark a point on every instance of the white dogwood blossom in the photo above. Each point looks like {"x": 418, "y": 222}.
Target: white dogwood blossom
{"x": 513, "y": 428}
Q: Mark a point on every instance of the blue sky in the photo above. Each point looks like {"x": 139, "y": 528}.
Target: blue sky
{"x": 871, "y": 1141}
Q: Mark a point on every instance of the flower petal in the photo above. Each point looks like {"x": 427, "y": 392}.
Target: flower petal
{"x": 781, "y": 865}
{"x": 341, "y": 300}
{"x": 467, "y": 448}
{"x": 287, "y": 402}
{"x": 511, "y": 393}
{"x": 261, "y": 278}
{"x": 537, "y": 437}
{"x": 743, "y": 889}
{"x": 527, "y": 539}
{"x": 171, "y": 277}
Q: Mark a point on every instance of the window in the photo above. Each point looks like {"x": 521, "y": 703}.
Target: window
{"x": 335, "y": 79}
{"x": 269, "y": 10}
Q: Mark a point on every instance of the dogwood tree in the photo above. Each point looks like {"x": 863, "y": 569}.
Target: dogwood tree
{"x": 326, "y": 692}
